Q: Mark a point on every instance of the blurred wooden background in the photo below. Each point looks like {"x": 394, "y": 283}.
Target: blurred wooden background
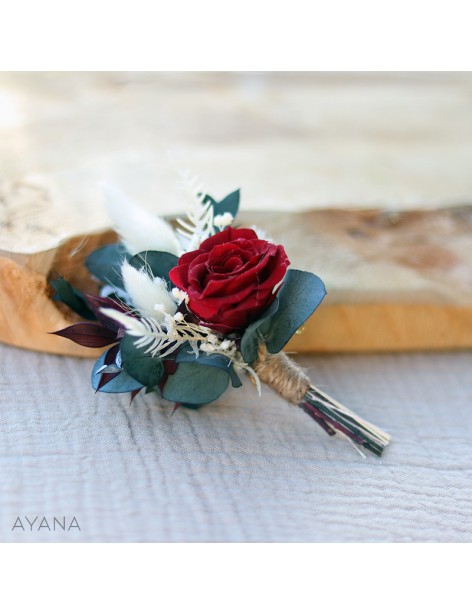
{"x": 297, "y": 143}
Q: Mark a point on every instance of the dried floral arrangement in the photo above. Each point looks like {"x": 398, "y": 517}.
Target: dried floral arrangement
{"x": 185, "y": 313}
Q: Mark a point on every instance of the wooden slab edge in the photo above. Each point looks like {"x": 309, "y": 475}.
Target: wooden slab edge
{"x": 385, "y": 327}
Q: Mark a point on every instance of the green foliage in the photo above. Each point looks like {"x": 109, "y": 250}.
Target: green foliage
{"x": 197, "y": 381}
{"x": 72, "y": 297}
{"x": 299, "y": 296}
{"x": 212, "y": 360}
{"x": 229, "y": 204}
{"x": 256, "y": 332}
{"x": 105, "y": 264}
{"x": 123, "y": 382}
{"x": 140, "y": 365}
{"x": 159, "y": 263}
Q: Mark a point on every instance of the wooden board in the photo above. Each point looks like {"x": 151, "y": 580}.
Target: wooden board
{"x": 293, "y": 142}
{"x": 395, "y": 280}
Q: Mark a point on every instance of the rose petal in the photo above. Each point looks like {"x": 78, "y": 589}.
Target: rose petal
{"x": 230, "y": 279}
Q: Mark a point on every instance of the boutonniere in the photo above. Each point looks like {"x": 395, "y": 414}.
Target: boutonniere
{"x": 185, "y": 313}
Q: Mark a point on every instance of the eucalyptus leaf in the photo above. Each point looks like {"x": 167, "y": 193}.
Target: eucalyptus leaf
{"x": 105, "y": 264}
{"x": 256, "y": 332}
{"x": 207, "y": 198}
{"x": 299, "y": 296}
{"x": 142, "y": 366}
{"x": 212, "y": 360}
{"x": 72, "y": 297}
{"x": 159, "y": 263}
{"x": 197, "y": 381}
{"x": 235, "y": 380}
{"x": 229, "y": 204}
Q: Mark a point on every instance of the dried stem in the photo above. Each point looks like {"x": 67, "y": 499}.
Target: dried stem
{"x": 289, "y": 380}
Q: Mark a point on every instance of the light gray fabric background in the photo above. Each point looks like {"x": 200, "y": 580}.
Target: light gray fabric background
{"x": 243, "y": 469}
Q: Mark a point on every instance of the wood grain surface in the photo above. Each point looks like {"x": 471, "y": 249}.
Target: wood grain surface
{"x": 395, "y": 281}
{"x": 388, "y": 153}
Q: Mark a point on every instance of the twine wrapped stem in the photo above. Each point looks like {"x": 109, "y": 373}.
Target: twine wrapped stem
{"x": 289, "y": 380}
{"x": 282, "y": 375}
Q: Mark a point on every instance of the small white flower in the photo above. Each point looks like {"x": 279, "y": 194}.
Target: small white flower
{"x": 226, "y": 344}
{"x": 221, "y": 221}
{"x": 179, "y": 295}
{"x": 170, "y": 324}
{"x": 207, "y": 347}
{"x": 179, "y": 316}
{"x": 212, "y": 339}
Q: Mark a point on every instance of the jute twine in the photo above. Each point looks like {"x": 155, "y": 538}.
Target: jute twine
{"x": 282, "y": 375}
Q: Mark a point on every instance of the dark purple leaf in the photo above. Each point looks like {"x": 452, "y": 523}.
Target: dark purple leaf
{"x": 170, "y": 367}
{"x": 97, "y": 302}
{"x": 88, "y": 334}
{"x": 134, "y": 393}
{"x": 189, "y": 317}
{"x": 110, "y": 357}
{"x": 105, "y": 378}
{"x": 176, "y": 407}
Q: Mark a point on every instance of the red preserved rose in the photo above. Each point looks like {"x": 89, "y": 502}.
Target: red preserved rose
{"x": 230, "y": 279}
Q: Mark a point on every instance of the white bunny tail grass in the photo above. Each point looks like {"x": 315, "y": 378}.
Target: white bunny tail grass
{"x": 149, "y": 296}
{"x": 139, "y": 229}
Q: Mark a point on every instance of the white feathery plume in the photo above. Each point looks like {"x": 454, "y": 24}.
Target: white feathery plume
{"x": 148, "y": 295}
{"x": 161, "y": 338}
{"x": 139, "y": 229}
{"x": 199, "y": 223}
